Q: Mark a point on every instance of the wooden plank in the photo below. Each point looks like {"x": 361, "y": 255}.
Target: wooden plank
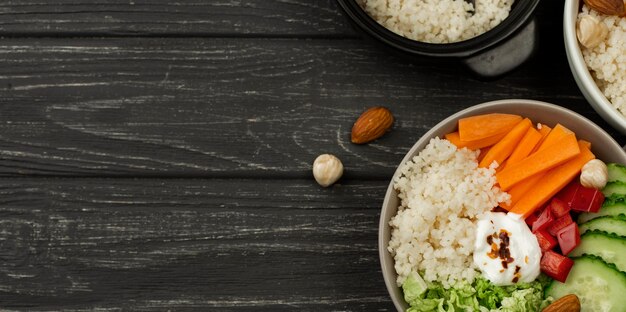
{"x": 233, "y": 108}
{"x": 192, "y": 18}
{"x": 162, "y": 18}
{"x": 80, "y": 244}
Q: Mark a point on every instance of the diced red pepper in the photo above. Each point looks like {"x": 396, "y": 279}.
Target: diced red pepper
{"x": 587, "y": 200}
{"x": 530, "y": 220}
{"x": 544, "y": 221}
{"x": 559, "y": 224}
{"x": 545, "y": 240}
{"x": 559, "y": 208}
{"x": 568, "y": 238}
{"x": 580, "y": 198}
{"x": 568, "y": 193}
{"x": 556, "y": 266}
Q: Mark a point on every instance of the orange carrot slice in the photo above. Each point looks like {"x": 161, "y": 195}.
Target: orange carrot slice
{"x": 518, "y": 190}
{"x": 542, "y": 160}
{"x": 545, "y": 131}
{"x": 483, "y": 126}
{"x": 503, "y": 149}
{"x": 526, "y": 145}
{"x": 557, "y": 134}
{"x": 552, "y": 182}
{"x": 476, "y": 144}
{"x": 586, "y": 143}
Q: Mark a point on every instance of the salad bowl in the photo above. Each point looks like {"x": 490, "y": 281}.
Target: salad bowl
{"x": 581, "y": 73}
{"x": 603, "y": 146}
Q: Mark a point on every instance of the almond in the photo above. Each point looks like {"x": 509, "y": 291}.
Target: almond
{"x": 371, "y": 125}
{"x": 568, "y": 303}
{"x": 608, "y": 7}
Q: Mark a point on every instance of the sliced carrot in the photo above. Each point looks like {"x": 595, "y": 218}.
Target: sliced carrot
{"x": 542, "y": 160}
{"x": 586, "y": 143}
{"x": 483, "y": 126}
{"x": 518, "y": 190}
{"x": 526, "y": 145}
{"x": 503, "y": 149}
{"x": 545, "y": 131}
{"x": 557, "y": 133}
{"x": 476, "y": 144}
{"x": 552, "y": 182}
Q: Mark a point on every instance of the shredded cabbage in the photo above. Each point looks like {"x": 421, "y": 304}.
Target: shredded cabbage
{"x": 481, "y": 296}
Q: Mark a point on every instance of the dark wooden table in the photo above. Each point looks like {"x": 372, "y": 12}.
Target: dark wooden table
{"x": 157, "y": 156}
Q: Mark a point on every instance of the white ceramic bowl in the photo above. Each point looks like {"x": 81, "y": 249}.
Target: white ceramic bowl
{"x": 581, "y": 74}
{"x": 602, "y": 145}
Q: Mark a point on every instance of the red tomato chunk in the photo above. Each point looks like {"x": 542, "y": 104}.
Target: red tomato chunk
{"x": 556, "y": 266}
{"x": 545, "y": 240}
{"x": 568, "y": 238}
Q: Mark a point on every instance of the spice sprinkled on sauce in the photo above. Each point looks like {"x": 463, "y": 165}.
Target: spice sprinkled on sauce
{"x": 507, "y": 252}
{"x": 516, "y": 275}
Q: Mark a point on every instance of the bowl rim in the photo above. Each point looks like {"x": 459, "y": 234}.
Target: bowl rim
{"x": 386, "y": 261}
{"x": 518, "y": 17}
{"x": 581, "y": 72}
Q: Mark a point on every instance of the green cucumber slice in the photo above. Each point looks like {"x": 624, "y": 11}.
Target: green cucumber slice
{"x": 612, "y": 206}
{"x": 610, "y": 247}
{"x": 598, "y": 285}
{"x": 609, "y": 224}
{"x": 614, "y": 188}
{"x": 617, "y": 172}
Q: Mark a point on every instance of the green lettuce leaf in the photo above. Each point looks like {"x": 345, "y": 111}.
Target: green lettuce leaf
{"x": 481, "y": 295}
{"x": 414, "y": 287}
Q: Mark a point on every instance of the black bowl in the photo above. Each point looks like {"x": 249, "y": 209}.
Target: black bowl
{"x": 492, "y": 53}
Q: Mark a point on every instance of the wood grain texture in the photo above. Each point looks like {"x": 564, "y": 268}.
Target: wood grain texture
{"x": 219, "y": 107}
{"x": 249, "y": 18}
{"x": 83, "y": 244}
{"x": 232, "y": 108}
{"x": 306, "y": 18}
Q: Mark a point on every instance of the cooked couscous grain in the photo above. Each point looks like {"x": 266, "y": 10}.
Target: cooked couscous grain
{"x": 443, "y": 193}
{"x": 438, "y": 21}
{"x": 607, "y": 61}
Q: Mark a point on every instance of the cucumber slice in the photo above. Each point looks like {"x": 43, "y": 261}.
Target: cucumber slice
{"x": 614, "y": 188}
{"x": 598, "y": 285}
{"x": 610, "y": 247}
{"x": 617, "y": 172}
{"x": 613, "y": 206}
{"x": 609, "y": 224}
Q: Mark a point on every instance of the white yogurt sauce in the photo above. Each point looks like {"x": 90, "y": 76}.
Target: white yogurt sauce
{"x": 505, "y": 250}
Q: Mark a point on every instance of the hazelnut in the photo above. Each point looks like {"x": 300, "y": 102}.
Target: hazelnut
{"x": 590, "y": 31}
{"x": 594, "y": 174}
{"x": 327, "y": 169}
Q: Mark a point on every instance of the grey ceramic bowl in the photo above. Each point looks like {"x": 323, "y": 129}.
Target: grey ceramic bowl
{"x": 583, "y": 78}
{"x": 603, "y": 146}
